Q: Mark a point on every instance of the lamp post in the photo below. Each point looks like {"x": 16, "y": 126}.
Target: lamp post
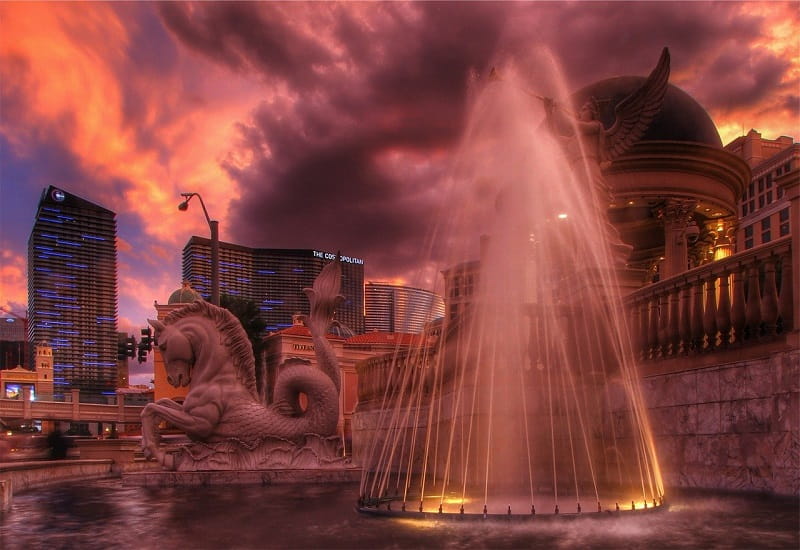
{"x": 214, "y": 226}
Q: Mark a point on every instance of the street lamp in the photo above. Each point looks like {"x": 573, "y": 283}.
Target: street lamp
{"x": 214, "y": 226}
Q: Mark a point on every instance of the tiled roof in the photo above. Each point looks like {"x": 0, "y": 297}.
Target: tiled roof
{"x": 302, "y": 330}
{"x": 385, "y": 338}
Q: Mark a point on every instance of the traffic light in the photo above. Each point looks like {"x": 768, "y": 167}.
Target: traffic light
{"x": 142, "y": 353}
{"x": 147, "y": 338}
{"x": 121, "y": 353}
{"x": 130, "y": 347}
{"x": 126, "y": 348}
{"x": 145, "y": 344}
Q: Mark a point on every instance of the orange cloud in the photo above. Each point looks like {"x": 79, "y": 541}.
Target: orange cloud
{"x": 13, "y": 282}
{"x": 72, "y": 60}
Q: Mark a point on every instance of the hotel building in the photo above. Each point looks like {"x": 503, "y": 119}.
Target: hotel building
{"x": 764, "y": 209}
{"x": 274, "y": 279}
{"x": 72, "y": 292}
{"x": 396, "y": 308}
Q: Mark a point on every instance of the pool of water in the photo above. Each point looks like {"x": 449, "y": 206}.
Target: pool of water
{"x": 105, "y": 514}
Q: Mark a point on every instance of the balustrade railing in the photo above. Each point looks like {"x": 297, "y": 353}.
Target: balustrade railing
{"x": 740, "y": 300}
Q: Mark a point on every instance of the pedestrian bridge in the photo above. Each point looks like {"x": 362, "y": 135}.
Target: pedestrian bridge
{"x": 73, "y": 411}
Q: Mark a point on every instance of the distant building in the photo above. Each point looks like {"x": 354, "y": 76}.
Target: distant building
{"x": 396, "y": 308}
{"x": 72, "y": 292}
{"x": 14, "y": 383}
{"x": 274, "y": 279}
{"x": 13, "y": 340}
{"x": 764, "y": 210}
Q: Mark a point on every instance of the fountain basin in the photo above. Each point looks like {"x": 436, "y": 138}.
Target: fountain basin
{"x": 240, "y": 477}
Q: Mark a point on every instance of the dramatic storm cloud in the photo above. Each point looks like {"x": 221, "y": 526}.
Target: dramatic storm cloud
{"x": 317, "y": 125}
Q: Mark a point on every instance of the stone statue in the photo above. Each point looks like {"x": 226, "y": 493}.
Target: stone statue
{"x": 590, "y": 147}
{"x": 230, "y": 428}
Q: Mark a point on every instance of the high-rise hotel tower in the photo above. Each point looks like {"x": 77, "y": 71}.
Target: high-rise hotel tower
{"x": 274, "y": 278}
{"x": 72, "y": 292}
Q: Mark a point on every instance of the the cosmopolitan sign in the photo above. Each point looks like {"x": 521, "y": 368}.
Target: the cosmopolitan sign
{"x": 332, "y": 256}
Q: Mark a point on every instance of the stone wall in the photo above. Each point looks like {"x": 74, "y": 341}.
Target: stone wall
{"x": 24, "y": 476}
{"x": 733, "y": 426}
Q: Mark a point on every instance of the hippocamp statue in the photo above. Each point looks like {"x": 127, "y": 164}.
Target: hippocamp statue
{"x": 230, "y": 428}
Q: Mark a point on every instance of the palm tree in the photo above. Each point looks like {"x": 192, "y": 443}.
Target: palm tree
{"x": 248, "y": 314}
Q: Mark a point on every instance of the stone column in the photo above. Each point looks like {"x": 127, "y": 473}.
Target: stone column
{"x": 76, "y": 405}
{"x": 791, "y": 188}
{"x": 676, "y": 215}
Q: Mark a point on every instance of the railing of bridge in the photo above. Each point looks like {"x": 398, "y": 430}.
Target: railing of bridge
{"x": 738, "y": 301}
{"x": 59, "y": 410}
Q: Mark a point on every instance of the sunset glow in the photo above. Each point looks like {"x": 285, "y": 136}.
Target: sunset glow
{"x": 316, "y": 125}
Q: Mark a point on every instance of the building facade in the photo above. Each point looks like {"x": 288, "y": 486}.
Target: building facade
{"x": 396, "y": 308}
{"x": 764, "y": 210}
{"x": 72, "y": 292}
{"x": 36, "y": 384}
{"x": 274, "y": 279}
{"x": 712, "y": 312}
{"x": 13, "y": 341}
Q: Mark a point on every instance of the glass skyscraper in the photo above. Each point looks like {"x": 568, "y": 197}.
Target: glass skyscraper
{"x": 274, "y": 278}
{"x": 396, "y": 308}
{"x": 72, "y": 292}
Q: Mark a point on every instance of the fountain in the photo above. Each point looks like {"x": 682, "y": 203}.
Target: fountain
{"x": 516, "y": 411}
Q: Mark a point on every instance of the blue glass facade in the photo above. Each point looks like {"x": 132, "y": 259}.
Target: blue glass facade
{"x": 72, "y": 292}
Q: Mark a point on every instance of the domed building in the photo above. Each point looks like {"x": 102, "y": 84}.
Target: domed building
{"x": 675, "y": 192}
{"x": 184, "y": 295}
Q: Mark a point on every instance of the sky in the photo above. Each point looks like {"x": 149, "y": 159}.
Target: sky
{"x": 326, "y": 125}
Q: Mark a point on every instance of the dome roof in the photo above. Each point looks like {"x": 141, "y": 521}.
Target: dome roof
{"x": 681, "y": 117}
{"x": 184, "y": 295}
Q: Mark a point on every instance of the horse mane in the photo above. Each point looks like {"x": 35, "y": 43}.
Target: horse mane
{"x": 233, "y": 337}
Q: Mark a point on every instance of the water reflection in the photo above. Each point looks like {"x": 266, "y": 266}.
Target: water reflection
{"x": 104, "y": 514}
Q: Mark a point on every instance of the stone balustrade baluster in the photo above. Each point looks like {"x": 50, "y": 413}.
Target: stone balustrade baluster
{"x": 724, "y": 310}
{"x": 663, "y": 325}
{"x": 684, "y": 323}
{"x": 644, "y": 326}
{"x": 652, "y": 334}
{"x": 753, "y": 306}
{"x": 710, "y": 314}
{"x": 769, "y": 298}
{"x": 738, "y": 318}
{"x": 697, "y": 317}
{"x": 673, "y": 333}
{"x": 634, "y": 326}
{"x": 786, "y": 300}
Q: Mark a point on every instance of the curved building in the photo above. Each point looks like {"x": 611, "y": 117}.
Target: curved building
{"x": 676, "y": 191}
{"x": 397, "y": 308}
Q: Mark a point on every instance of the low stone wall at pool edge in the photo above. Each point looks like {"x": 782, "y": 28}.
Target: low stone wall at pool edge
{"x": 22, "y": 476}
{"x": 733, "y": 426}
